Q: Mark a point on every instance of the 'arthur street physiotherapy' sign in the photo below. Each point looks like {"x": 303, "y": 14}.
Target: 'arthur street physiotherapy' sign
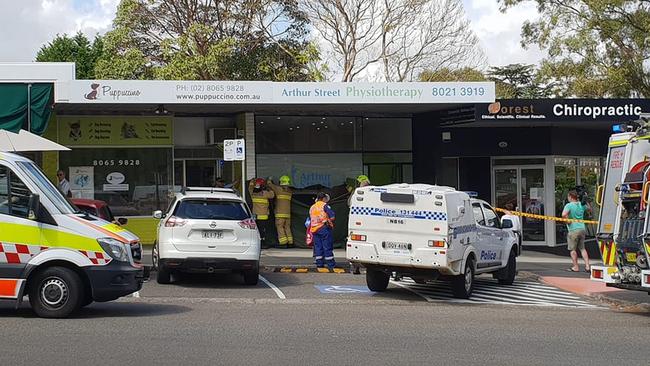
{"x": 262, "y": 92}
{"x": 563, "y": 110}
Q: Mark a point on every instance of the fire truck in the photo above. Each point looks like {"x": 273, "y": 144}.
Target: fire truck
{"x": 623, "y": 232}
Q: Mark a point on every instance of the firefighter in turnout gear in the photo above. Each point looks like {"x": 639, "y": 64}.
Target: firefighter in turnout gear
{"x": 283, "y": 193}
{"x": 261, "y": 196}
{"x": 322, "y": 218}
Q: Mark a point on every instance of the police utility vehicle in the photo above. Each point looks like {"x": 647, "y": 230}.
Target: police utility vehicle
{"x": 429, "y": 233}
{"x": 61, "y": 257}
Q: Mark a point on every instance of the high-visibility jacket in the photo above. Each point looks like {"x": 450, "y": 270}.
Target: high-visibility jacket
{"x": 320, "y": 214}
{"x": 261, "y": 201}
{"x": 282, "y": 200}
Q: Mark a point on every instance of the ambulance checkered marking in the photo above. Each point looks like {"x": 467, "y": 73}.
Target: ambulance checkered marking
{"x": 96, "y": 257}
{"x": 411, "y": 214}
{"x": 13, "y": 253}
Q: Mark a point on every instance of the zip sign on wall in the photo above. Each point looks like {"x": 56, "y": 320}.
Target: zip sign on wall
{"x": 234, "y": 150}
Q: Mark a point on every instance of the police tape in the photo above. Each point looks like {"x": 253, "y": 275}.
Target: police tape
{"x": 544, "y": 217}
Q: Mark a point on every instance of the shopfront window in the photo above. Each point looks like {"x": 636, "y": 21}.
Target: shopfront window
{"x": 307, "y": 134}
{"x": 569, "y": 173}
{"x": 133, "y": 181}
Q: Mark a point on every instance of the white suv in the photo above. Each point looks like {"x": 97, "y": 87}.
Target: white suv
{"x": 207, "y": 230}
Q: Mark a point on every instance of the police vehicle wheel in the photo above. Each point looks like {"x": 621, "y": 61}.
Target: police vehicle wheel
{"x": 251, "y": 276}
{"x": 462, "y": 285}
{"x": 510, "y": 271}
{"x": 377, "y": 280}
{"x": 55, "y": 292}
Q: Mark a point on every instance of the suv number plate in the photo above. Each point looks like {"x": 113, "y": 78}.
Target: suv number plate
{"x": 212, "y": 234}
{"x": 394, "y": 245}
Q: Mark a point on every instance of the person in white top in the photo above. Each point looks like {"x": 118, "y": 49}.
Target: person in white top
{"x": 64, "y": 185}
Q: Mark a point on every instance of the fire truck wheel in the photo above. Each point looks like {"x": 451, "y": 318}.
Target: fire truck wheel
{"x": 55, "y": 292}
{"x": 377, "y": 280}
{"x": 462, "y": 285}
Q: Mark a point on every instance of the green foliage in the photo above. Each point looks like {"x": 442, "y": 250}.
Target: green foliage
{"x": 77, "y": 49}
{"x": 207, "y": 40}
{"x": 519, "y": 81}
{"x": 446, "y": 74}
{"x": 596, "y": 48}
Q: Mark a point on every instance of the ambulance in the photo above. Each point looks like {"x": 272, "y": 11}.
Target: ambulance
{"x": 429, "y": 233}
{"x": 61, "y": 258}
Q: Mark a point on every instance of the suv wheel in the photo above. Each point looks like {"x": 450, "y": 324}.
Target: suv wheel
{"x": 251, "y": 276}
{"x": 462, "y": 285}
{"x": 164, "y": 276}
{"x": 377, "y": 280}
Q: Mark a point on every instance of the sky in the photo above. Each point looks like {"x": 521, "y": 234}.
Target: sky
{"x": 28, "y": 24}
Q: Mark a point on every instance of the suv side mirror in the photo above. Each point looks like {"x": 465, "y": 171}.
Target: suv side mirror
{"x": 506, "y": 224}
{"x": 34, "y": 206}
{"x": 157, "y": 214}
{"x": 122, "y": 221}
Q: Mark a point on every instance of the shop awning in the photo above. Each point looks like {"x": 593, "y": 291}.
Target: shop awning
{"x": 27, "y": 141}
{"x": 17, "y": 98}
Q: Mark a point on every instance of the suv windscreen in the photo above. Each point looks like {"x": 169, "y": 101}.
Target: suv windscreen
{"x": 211, "y": 210}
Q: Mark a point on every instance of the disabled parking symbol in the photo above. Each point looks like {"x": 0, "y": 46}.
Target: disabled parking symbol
{"x": 342, "y": 289}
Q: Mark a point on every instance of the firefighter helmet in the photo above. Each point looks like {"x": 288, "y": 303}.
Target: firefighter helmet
{"x": 259, "y": 183}
{"x": 362, "y": 179}
{"x": 285, "y": 180}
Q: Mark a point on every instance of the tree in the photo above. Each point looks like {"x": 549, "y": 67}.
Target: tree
{"x": 447, "y": 74}
{"x": 210, "y": 40}
{"x": 596, "y": 48}
{"x": 519, "y": 81}
{"x": 405, "y": 37}
{"x": 77, "y": 49}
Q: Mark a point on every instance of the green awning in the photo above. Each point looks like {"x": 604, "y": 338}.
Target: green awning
{"x": 14, "y": 104}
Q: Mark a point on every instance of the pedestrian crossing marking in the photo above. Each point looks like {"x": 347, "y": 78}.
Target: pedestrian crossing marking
{"x": 488, "y": 291}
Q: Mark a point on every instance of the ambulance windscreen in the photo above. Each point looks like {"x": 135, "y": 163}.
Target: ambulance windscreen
{"x": 397, "y": 197}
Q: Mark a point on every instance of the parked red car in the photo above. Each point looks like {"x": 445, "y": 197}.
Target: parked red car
{"x": 99, "y": 209}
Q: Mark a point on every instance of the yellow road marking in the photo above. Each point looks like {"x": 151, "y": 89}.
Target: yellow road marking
{"x": 339, "y": 270}
{"x": 302, "y": 270}
{"x": 323, "y": 270}
{"x": 286, "y": 270}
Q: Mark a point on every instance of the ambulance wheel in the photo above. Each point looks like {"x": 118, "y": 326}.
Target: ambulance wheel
{"x": 377, "y": 281}
{"x": 462, "y": 285}
{"x": 56, "y": 292}
{"x": 510, "y": 271}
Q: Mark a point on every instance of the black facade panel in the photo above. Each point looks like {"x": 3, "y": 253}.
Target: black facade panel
{"x": 475, "y": 175}
{"x": 426, "y": 147}
{"x": 498, "y": 141}
{"x": 579, "y": 142}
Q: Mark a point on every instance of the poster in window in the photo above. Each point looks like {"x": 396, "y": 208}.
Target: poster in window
{"x": 82, "y": 182}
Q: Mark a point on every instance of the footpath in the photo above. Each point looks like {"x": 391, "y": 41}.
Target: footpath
{"x": 548, "y": 266}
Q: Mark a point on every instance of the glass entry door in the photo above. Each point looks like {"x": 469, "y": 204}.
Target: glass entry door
{"x": 522, "y": 189}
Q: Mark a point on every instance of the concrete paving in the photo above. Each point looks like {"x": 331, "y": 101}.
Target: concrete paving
{"x": 166, "y": 331}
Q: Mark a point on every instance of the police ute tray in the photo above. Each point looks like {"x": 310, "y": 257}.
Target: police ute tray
{"x": 397, "y": 197}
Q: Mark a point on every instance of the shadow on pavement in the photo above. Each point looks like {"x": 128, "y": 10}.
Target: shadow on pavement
{"x": 104, "y": 310}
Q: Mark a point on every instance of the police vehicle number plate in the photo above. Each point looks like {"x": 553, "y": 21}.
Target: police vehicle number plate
{"x": 394, "y": 245}
{"x": 212, "y": 234}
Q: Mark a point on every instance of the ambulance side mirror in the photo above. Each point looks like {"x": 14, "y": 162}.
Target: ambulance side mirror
{"x": 34, "y": 206}
{"x": 157, "y": 214}
{"x": 507, "y": 224}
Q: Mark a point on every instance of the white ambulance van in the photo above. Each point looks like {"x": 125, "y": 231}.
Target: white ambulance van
{"x": 60, "y": 257}
{"x": 429, "y": 232}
